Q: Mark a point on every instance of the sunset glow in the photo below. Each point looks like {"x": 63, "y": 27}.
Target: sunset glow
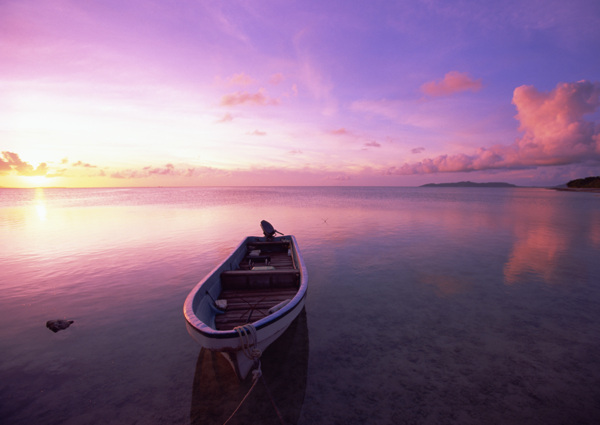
{"x": 152, "y": 93}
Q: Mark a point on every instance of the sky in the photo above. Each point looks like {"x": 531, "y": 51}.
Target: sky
{"x": 355, "y": 93}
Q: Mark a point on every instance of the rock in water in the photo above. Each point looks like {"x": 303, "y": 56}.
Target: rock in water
{"x": 58, "y": 325}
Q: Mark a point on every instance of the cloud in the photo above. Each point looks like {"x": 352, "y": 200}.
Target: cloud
{"x": 313, "y": 79}
{"x": 386, "y": 108}
{"x": 241, "y": 98}
{"x": 58, "y": 173}
{"x": 554, "y": 133}
{"x": 226, "y": 118}
{"x": 373, "y": 144}
{"x": 453, "y": 82}
{"x": 276, "y": 78}
{"x": 339, "y": 178}
{"x": 241, "y": 80}
{"x": 340, "y": 132}
{"x": 127, "y": 174}
{"x": 257, "y": 133}
{"x": 10, "y": 162}
{"x": 82, "y": 164}
{"x": 167, "y": 170}
{"x": 417, "y": 150}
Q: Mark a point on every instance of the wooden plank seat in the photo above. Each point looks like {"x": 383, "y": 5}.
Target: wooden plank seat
{"x": 251, "y": 293}
{"x": 248, "y": 305}
{"x": 254, "y": 279}
{"x": 278, "y": 260}
{"x": 270, "y": 244}
{"x": 260, "y": 258}
{"x": 259, "y": 261}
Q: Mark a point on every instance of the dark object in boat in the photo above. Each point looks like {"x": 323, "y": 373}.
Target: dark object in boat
{"x": 268, "y": 229}
{"x": 58, "y": 325}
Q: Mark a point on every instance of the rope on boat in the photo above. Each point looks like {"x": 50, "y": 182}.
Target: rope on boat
{"x": 248, "y": 340}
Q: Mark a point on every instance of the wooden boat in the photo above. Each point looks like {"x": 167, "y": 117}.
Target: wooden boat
{"x": 249, "y": 300}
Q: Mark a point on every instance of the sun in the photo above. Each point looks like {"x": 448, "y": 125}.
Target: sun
{"x": 37, "y": 181}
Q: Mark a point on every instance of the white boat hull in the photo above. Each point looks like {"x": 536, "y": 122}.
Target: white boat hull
{"x": 200, "y": 313}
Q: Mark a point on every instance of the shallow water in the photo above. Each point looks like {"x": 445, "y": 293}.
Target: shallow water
{"x": 425, "y": 306}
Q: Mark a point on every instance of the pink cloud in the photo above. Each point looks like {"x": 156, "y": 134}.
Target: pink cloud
{"x": 340, "y": 178}
{"x": 373, "y": 144}
{"x": 453, "y": 82}
{"x": 340, "y": 132}
{"x": 257, "y": 133}
{"x": 167, "y": 170}
{"x": 241, "y": 98}
{"x": 127, "y": 174}
{"x": 10, "y": 162}
{"x": 555, "y": 133}
{"x": 276, "y": 78}
{"x": 417, "y": 150}
{"x": 226, "y": 118}
{"x": 241, "y": 80}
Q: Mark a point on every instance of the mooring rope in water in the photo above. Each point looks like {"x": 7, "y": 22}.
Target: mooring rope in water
{"x": 256, "y": 375}
{"x": 243, "y": 400}
{"x": 272, "y": 401}
{"x": 248, "y": 339}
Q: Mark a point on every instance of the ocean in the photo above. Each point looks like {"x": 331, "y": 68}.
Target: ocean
{"x": 425, "y": 306}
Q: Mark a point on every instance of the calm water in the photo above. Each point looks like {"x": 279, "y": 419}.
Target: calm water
{"x": 425, "y": 306}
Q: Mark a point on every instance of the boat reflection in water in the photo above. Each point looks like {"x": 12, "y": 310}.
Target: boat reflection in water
{"x": 217, "y": 391}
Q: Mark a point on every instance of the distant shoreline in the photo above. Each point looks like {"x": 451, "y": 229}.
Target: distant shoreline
{"x": 470, "y": 184}
{"x": 576, "y": 189}
{"x": 432, "y": 185}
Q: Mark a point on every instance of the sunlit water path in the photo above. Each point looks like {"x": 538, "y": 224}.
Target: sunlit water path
{"x": 425, "y": 305}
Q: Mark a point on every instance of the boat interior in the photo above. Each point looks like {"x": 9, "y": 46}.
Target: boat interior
{"x": 265, "y": 280}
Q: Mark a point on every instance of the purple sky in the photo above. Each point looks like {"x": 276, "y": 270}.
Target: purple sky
{"x": 145, "y": 93}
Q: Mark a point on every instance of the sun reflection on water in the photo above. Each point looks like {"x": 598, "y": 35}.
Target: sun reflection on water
{"x": 40, "y": 204}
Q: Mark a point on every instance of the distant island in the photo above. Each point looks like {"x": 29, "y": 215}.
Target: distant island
{"x": 585, "y": 183}
{"x": 469, "y": 184}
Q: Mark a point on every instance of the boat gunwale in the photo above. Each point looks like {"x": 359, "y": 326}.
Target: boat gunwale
{"x": 209, "y": 332}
